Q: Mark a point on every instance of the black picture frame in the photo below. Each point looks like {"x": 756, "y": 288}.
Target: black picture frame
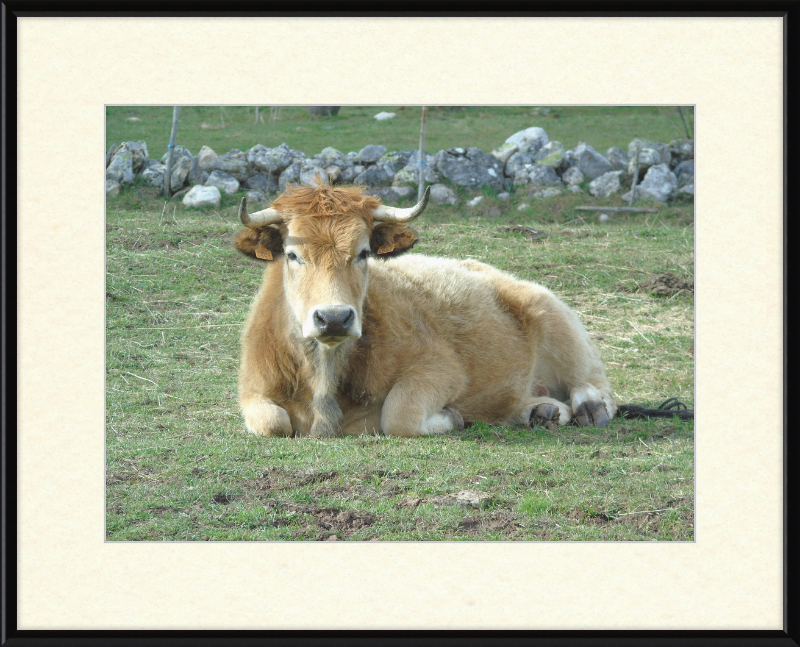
{"x": 12, "y": 636}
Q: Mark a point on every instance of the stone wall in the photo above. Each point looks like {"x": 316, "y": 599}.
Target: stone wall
{"x": 527, "y": 161}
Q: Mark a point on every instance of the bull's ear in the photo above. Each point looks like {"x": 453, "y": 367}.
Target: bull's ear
{"x": 392, "y": 239}
{"x": 263, "y": 244}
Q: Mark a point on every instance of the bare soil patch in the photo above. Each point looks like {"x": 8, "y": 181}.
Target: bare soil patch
{"x": 494, "y": 522}
{"x": 666, "y": 284}
{"x": 329, "y": 521}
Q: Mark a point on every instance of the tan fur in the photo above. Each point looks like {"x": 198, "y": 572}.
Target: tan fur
{"x": 436, "y": 335}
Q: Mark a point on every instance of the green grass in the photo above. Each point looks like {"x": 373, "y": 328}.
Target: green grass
{"x": 181, "y": 467}
{"x": 353, "y": 128}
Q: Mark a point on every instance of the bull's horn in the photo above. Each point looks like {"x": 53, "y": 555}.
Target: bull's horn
{"x": 393, "y": 214}
{"x": 259, "y": 218}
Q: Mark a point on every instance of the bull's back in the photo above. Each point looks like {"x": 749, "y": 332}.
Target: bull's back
{"x": 460, "y": 316}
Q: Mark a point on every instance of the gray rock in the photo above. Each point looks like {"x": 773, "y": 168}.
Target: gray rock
{"x": 569, "y": 161}
{"x": 128, "y": 158}
{"x": 331, "y": 153}
{"x": 237, "y": 154}
{"x": 223, "y": 181}
{"x": 115, "y": 174}
{"x": 154, "y": 175}
{"x": 392, "y": 194}
{"x": 573, "y": 176}
{"x": 504, "y": 196}
{"x": 235, "y": 166}
{"x": 297, "y": 156}
{"x": 313, "y": 162}
{"x": 538, "y": 175}
{"x": 685, "y": 173}
{"x": 398, "y": 160}
{"x": 206, "y": 158}
{"x": 650, "y": 154}
{"x": 529, "y": 140}
{"x": 473, "y": 169}
{"x": 442, "y": 194}
{"x": 551, "y": 154}
{"x": 323, "y": 111}
{"x": 375, "y": 176}
{"x": 347, "y": 175}
{"x": 112, "y": 189}
{"x": 575, "y": 189}
{"x": 516, "y": 163}
{"x": 180, "y": 172}
{"x": 312, "y": 176}
{"x": 251, "y": 153}
{"x": 332, "y": 157}
{"x": 272, "y": 161}
{"x": 502, "y": 153}
{"x": 606, "y": 185}
{"x": 256, "y": 199}
{"x": 659, "y": 184}
{"x": 110, "y": 153}
{"x": 120, "y": 169}
{"x": 177, "y": 153}
{"x": 409, "y": 174}
{"x": 371, "y": 153}
{"x": 196, "y": 174}
{"x": 261, "y": 182}
{"x": 619, "y": 158}
{"x": 591, "y": 163}
{"x": 139, "y": 154}
{"x": 202, "y": 196}
{"x": 680, "y": 151}
{"x": 686, "y": 192}
{"x": 290, "y": 175}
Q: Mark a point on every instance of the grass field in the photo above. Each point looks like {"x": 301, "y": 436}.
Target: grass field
{"x": 181, "y": 467}
{"x": 353, "y": 128}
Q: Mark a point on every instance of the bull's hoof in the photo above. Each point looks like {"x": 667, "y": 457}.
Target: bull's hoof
{"x": 588, "y": 414}
{"x": 545, "y": 415}
{"x": 322, "y": 431}
{"x": 458, "y": 420}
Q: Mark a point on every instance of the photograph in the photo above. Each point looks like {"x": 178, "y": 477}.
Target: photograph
{"x": 399, "y": 323}
{"x": 445, "y": 323}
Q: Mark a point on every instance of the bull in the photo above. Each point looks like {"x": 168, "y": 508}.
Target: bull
{"x": 350, "y": 335}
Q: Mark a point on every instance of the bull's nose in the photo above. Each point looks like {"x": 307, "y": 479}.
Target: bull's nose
{"x": 334, "y": 321}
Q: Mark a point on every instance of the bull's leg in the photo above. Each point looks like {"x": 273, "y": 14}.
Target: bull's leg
{"x": 418, "y": 406}
{"x": 570, "y": 368}
{"x": 546, "y": 412}
{"x": 590, "y": 406}
{"x": 265, "y": 418}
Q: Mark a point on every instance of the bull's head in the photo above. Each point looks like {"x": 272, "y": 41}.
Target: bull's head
{"x": 323, "y": 236}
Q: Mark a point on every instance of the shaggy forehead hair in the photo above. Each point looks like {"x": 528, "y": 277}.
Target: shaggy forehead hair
{"x": 320, "y": 201}
{"x": 326, "y": 220}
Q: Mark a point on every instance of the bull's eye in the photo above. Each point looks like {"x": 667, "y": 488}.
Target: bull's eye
{"x": 293, "y": 257}
{"x": 364, "y": 255}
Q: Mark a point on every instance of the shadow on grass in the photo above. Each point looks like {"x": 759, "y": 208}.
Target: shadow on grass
{"x": 618, "y": 431}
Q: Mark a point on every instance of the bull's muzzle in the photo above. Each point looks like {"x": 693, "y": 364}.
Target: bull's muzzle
{"x": 334, "y": 323}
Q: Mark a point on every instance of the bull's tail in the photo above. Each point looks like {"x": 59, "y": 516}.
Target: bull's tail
{"x": 668, "y": 409}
